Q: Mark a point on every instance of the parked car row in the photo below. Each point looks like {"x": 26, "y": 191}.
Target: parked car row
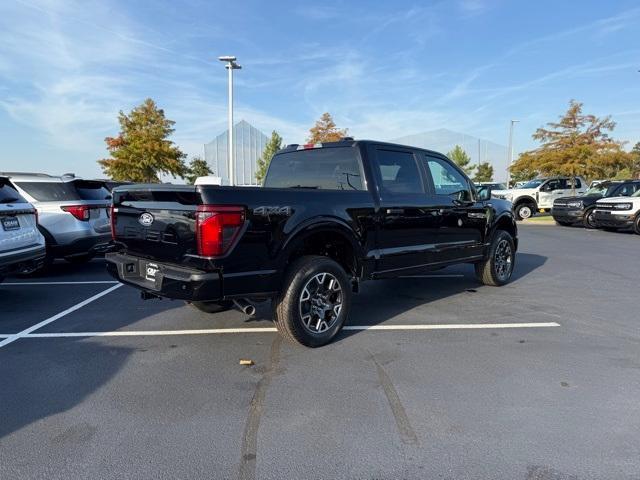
{"x": 45, "y": 217}
{"x": 611, "y": 205}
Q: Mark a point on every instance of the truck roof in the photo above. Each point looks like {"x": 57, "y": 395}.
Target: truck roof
{"x": 351, "y": 142}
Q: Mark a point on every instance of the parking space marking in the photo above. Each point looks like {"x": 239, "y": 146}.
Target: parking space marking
{"x": 89, "y": 282}
{"x": 27, "y": 331}
{"x": 221, "y": 331}
{"x": 433, "y": 276}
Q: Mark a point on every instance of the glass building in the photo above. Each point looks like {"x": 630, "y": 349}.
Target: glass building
{"x": 249, "y": 143}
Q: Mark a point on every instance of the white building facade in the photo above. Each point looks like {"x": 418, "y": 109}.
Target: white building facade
{"x": 249, "y": 143}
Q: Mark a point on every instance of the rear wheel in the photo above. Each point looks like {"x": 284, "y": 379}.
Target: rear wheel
{"x": 524, "y": 211}
{"x": 497, "y": 268}
{"x": 314, "y": 302}
{"x": 211, "y": 307}
{"x": 589, "y": 220}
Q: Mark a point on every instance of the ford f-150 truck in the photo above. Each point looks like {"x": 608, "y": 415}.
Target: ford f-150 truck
{"x": 329, "y": 216}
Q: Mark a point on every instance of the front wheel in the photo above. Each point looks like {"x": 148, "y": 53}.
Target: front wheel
{"x": 636, "y": 224}
{"x": 315, "y": 301}
{"x": 496, "y": 269}
{"x": 524, "y": 211}
{"x": 589, "y": 220}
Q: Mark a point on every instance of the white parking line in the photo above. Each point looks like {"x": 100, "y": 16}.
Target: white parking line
{"x": 26, "y": 332}
{"x": 220, "y": 331}
{"x": 92, "y": 282}
{"x": 433, "y": 276}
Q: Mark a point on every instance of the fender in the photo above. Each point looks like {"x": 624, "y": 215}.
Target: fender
{"x": 526, "y": 199}
{"x": 316, "y": 225}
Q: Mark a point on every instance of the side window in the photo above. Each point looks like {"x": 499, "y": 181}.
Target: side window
{"x": 446, "y": 179}
{"x": 555, "y": 184}
{"x": 627, "y": 190}
{"x": 577, "y": 183}
{"x": 399, "y": 172}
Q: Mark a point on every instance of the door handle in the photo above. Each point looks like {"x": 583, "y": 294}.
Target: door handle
{"x": 395, "y": 211}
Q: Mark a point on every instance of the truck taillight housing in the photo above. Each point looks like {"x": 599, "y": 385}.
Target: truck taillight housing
{"x": 81, "y": 212}
{"x": 217, "y": 228}
{"x": 112, "y": 220}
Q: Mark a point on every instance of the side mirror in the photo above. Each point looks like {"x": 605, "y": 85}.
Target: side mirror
{"x": 484, "y": 194}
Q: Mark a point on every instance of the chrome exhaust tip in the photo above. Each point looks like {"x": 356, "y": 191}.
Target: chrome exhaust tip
{"x": 245, "y": 307}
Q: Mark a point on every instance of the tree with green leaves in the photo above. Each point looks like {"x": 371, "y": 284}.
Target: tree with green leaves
{"x": 273, "y": 145}
{"x": 577, "y": 145}
{"x": 142, "y": 150}
{"x": 325, "y": 130}
{"x": 197, "y": 168}
{"x": 484, "y": 173}
{"x": 462, "y": 159}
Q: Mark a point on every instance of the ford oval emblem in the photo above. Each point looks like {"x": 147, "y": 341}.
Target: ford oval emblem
{"x": 146, "y": 219}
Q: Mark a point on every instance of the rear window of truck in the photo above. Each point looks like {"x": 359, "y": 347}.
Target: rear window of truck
{"x": 336, "y": 168}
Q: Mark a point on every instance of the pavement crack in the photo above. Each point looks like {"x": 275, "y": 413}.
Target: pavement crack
{"x": 405, "y": 430}
{"x": 249, "y": 448}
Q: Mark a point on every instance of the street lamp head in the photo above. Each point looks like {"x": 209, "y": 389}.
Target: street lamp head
{"x": 227, "y": 58}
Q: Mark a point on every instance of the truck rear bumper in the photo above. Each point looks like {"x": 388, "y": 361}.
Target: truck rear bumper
{"x": 165, "y": 280}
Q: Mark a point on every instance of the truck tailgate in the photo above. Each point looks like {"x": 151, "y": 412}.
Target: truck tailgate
{"x": 156, "y": 221}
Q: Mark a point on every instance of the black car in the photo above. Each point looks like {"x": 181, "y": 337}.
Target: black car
{"x": 580, "y": 209}
{"x": 329, "y": 216}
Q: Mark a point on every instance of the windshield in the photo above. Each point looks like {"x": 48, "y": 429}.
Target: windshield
{"x": 532, "y": 184}
{"x": 600, "y": 190}
{"x": 65, "y": 191}
{"x": 637, "y": 194}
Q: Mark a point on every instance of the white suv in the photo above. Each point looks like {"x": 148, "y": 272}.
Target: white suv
{"x": 22, "y": 247}
{"x": 73, "y": 213}
{"x": 618, "y": 213}
{"x": 539, "y": 194}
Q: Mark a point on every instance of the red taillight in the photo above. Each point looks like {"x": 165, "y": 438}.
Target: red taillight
{"x": 217, "y": 228}
{"x": 112, "y": 215}
{"x": 81, "y": 212}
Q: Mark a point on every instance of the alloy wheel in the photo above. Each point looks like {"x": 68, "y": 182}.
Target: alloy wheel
{"x": 320, "y": 302}
{"x": 503, "y": 259}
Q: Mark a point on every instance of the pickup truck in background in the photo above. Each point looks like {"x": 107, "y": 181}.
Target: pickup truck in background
{"x": 539, "y": 194}
{"x": 328, "y": 217}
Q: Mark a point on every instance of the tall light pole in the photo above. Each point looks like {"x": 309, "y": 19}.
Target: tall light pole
{"x": 510, "y": 153}
{"x": 231, "y": 65}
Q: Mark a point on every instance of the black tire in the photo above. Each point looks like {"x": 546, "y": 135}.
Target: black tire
{"x": 79, "y": 259}
{"x": 211, "y": 307}
{"x": 326, "y": 287}
{"x": 497, "y": 268}
{"x": 589, "y": 221}
{"x": 636, "y": 224}
{"x": 523, "y": 211}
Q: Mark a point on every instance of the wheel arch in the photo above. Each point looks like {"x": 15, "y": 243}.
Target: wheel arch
{"x": 331, "y": 237}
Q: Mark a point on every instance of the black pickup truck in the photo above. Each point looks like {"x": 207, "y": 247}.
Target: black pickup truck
{"x": 329, "y": 216}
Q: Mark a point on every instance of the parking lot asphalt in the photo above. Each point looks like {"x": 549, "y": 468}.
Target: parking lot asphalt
{"x": 424, "y": 384}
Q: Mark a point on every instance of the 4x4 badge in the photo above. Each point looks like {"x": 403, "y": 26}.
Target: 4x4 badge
{"x": 146, "y": 219}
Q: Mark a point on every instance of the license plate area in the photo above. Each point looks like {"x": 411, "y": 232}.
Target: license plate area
{"x": 150, "y": 271}
{"x": 10, "y": 223}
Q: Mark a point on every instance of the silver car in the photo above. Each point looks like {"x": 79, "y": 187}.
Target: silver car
{"x": 73, "y": 213}
{"x": 22, "y": 247}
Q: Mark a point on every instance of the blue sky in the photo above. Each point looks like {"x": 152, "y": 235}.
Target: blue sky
{"x": 383, "y": 69}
